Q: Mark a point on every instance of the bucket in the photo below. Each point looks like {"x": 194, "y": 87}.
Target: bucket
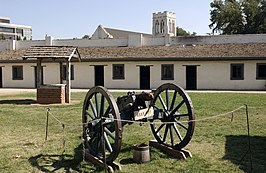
{"x": 141, "y": 153}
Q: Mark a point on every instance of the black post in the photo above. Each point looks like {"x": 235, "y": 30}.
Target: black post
{"x": 249, "y": 143}
{"x": 103, "y": 143}
{"x": 47, "y": 121}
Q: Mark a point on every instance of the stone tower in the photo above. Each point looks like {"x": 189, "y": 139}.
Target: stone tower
{"x": 164, "y": 23}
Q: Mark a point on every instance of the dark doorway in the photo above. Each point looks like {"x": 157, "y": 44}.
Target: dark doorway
{"x": 144, "y": 77}
{"x": 191, "y": 77}
{"x": 99, "y": 75}
{"x": 35, "y": 76}
{"x": 1, "y": 78}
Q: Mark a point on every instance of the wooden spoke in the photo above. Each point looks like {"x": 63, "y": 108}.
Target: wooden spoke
{"x": 171, "y": 135}
{"x": 162, "y": 102}
{"x": 178, "y": 133}
{"x": 165, "y": 133}
{"x": 109, "y": 147}
{"x": 180, "y": 115}
{"x": 167, "y": 99}
{"x": 97, "y": 104}
{"x": 173, "y": 101}
{"x": 102, "y": 142}
{"x": 182, "y": 125}
{"x": 109, "y": 133}
{"x": 90, "y": 115}
{"x": 161, "y": 126}
{"x": 107, "y": 112}
{"x": 93, "y": 109}
{"x": 167, "y": 95}
{"x": 178, "y": 106}
{"x": 102, "y": 106}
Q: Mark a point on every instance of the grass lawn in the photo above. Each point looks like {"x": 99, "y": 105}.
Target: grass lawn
{"x": 218, "y": 144}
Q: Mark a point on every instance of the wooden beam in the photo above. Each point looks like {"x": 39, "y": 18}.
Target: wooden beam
{"x": 39, "y": 68}
{"x": 68, "y": 81}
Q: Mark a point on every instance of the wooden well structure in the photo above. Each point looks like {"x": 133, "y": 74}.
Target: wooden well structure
{"x": 47, "y": 93}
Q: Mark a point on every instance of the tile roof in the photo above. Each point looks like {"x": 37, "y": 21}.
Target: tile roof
{"x": 198, "y": 52}
{"x": 208, "y": 52}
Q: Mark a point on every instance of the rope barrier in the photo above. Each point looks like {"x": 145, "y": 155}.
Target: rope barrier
{"x": 63, "y": 128}
{"x": 150, "y": 122}
{"x": 188, "y": 121}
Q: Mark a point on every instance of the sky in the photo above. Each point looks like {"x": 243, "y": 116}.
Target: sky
{"x": 67, "y": 19}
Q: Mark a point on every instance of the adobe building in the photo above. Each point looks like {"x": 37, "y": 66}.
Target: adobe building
{"x": 121, "y": 59}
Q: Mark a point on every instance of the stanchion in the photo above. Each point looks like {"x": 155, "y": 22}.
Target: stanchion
{"x": 47, "y": 123}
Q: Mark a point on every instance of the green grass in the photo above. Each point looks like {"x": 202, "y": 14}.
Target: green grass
{"x": 218, "y": 144}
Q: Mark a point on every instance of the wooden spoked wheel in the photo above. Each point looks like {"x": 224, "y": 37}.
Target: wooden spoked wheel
{"x": 102, "y": 130}
{"x": 175, "y": 126}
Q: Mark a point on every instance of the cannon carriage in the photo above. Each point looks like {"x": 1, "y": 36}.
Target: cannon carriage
{"x": 168, "y": 109}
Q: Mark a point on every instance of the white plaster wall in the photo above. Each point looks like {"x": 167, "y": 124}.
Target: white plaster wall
{"x": 4, "y": 45}
{"x": 51, "y": 73}
{"x": 91, "y": 42}
{"x": 216, "y": 75}
{"x": 25, "y": 44}
{"x": 210, "y": 75}
{"x": 221, "y": 39}
{"x": 83, "y": 75}
{"x": 131, "y": 76}
{"x": 28, "y": 76}
{"x": 153, "y": 41}
{"x": 135, "y": 40}
{"x": 179, "y": 74}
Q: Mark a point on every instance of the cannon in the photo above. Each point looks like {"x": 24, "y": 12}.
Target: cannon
{"x": 168, "y": 109}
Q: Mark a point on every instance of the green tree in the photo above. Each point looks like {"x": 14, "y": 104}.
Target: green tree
{"x": 260, "y": 18}
{"x": 86, "y": 37}
{"x": 226, "y": 16}
{"x": 238, "y": 17}
{"x": 182, "y": 32}
{"x": 2, "y": 37}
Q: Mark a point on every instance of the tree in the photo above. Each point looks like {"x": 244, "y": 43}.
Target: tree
{"x": 86, "y": 37}
{"x": 182, "y": 32}
{"x": 238, "y": 17}
{"x": 226, "y": 16}
{"x": 2, "y": 37}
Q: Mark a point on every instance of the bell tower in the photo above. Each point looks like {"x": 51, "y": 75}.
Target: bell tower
{"x": 164, "y": 23}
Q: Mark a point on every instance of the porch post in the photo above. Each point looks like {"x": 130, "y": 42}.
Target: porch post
{"x": 68, "y": 83}
{"x": 39, "y": 68}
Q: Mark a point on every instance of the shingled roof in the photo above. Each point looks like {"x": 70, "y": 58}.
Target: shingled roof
{"x": 150, "y": 53}
{"x": 52, "y": 52}
{"x": 175, "y": 53}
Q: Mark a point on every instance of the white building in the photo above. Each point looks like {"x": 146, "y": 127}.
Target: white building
{"x": 164, "y": 24}
{"x": 132, "y": 60}
{"x": 14, "y": 31}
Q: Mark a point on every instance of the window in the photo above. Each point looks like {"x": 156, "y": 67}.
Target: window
{"x": 17, "y": 72}
{"x": 157, "y": 27}
{"x": 64, "y": 72}
{"x": 237, "y": 71}
{"x": 162, "y": 27}
{"x": 261, "y": 71}
{"x": 167, "y": 72}
{"x": 118, "y": 71}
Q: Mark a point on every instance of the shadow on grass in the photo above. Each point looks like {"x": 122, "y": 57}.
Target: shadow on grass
{"x": 237, "y": 151}
{"x": 18, "y": 102}
{"x": 63, "y": 163}
{"x": 129, "y": 160}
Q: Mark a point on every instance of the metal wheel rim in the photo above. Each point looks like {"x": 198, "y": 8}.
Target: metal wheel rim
{"x": 94, "y": 108}
{"x": 174, "y": 133}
